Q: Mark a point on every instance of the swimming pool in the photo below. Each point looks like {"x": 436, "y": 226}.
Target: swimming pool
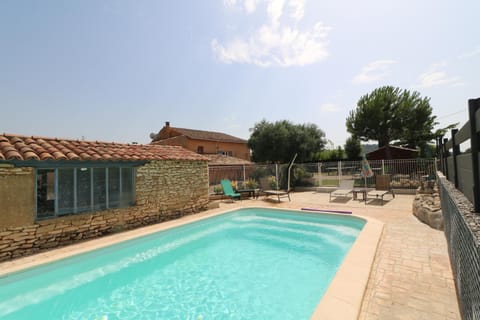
{"x": 248, "y": 264}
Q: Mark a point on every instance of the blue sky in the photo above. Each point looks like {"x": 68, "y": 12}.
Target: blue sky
{"x": 117, "y": 70}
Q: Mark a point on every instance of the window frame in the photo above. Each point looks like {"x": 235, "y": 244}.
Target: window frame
{"x": 91, "y": 167}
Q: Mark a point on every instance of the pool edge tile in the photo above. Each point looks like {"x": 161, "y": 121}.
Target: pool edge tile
{"x": 344, "y": 296}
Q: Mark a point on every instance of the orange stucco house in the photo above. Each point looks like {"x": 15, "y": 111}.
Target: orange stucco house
{"x": 203, "y": 142}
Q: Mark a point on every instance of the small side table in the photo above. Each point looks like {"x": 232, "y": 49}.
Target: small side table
{"x": 252, "y": 193}
{"x": 363, "y": 191}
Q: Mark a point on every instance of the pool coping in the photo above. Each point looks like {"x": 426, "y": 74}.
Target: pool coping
{"x": 342, "y": 300}
{"x": 344, "y": 296}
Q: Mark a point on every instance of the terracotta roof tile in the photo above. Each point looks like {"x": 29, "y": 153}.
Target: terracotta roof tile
{"x": 199, "y": 135}
{"x": 17, "y": 147}
{"x": 220, "y": 159}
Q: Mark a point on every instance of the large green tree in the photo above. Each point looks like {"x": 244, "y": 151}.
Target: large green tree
{"x": 389, "y": 114}
{"x": 353, "y": 148}
{"x": 278, "y": 142}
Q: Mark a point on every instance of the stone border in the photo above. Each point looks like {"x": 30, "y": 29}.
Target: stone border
{"x": 343, "y": 298}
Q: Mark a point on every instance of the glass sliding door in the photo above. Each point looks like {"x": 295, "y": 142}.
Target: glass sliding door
{"x": 84, "y": 189}
{"x": 127, "y": 187}
{"x": 99, "y": 189}
{"x": 113, "y": 187}
{"x": 45, "y": 193}
{"x": 66, "y": 190}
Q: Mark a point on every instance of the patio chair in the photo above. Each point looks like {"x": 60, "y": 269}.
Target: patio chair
{"x": 278, "y": 193}
{"x": 228, "y": 190}
{"x": 344, "y": 189}
{"x": 282, "y": 193}
{"x": 382, "y": 187}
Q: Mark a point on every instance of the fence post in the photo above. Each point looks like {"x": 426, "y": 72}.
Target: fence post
{"x": 383, "y": 167}
{"x": 244, "y": 177}
{"x": 473, "y": 106}
{"x": 319, "y": 165}
{"x": 440, "y": 152}
{"x": 339, "y": 167}
{"x": 208, "y": 175}
{"x": 445, "y": 153}
{"x": 456, "y": 152}
{"x": 276, "y": 174}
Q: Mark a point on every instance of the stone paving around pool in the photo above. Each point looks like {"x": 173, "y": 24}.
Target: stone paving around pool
{"x": 411, "y": 277}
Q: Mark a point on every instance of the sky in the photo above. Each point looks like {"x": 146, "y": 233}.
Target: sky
{"x": 118, "y": 70}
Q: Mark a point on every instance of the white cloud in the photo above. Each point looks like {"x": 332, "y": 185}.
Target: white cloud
{"x": 329, "y": 108}
{"x": 470, "y": 54}
{"x": 437, "y": 76}
{"x": 277, "y": 42}
{"x": 374, "y": 71}
{"x": 275, "y": 11}
{"x": 250, "y": 5}
{"x": 298, "y": 9}
{"x": 229, "y": 3}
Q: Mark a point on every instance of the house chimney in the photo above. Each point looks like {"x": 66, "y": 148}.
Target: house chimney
{"x": 167, "y": 124}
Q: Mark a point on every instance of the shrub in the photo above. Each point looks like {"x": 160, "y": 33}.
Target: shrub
{"x": 272, "y": 182}
{"x": 251, "y": 184}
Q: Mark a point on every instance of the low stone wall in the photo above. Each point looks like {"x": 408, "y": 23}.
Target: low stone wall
{"x": 427, "y": 208}
{"x": 165, "y": 190}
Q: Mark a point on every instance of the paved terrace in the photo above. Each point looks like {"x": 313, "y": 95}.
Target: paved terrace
{"x": 411, "y": 276}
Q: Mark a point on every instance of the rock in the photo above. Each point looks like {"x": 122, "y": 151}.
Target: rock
{"x": 427, "y": 208}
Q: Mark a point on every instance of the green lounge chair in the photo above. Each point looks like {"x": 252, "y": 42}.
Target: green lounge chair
{"x": 228, "y": 190}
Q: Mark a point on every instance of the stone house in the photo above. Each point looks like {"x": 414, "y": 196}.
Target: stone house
{"x": 202, "y": 142}
{"x": 56, "y": 191}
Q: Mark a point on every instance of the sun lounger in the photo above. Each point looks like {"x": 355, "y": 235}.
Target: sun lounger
{"x": 382, "y": 187}
{"x": 282, "y": 193}
{"x": 344, "y": 189}
{"x": 228, "y": 190}
{"x": 278, "y": 193}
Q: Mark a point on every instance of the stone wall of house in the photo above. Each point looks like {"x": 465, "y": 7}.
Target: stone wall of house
{"x": 164, "y": 190}
{"x": 17, "y": 187}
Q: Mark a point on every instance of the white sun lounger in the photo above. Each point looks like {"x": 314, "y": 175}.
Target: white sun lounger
{"x": 344, "y": 189}
{"x": 382, "y": 187}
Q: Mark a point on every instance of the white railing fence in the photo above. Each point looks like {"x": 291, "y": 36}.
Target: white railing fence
{"x": 404, "y": 174}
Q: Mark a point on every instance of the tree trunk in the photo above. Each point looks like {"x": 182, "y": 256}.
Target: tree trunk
{"x": 385, "y": 143}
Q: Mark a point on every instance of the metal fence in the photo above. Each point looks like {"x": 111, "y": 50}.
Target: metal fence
{"x": 460, "y": 196}
{"x": 462, "y": 168}
{"x": 463, "y": 248}
{"x": 405, "y": 174}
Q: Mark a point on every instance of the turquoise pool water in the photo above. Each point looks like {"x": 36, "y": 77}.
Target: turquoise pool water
{"x": 247, "y": 264}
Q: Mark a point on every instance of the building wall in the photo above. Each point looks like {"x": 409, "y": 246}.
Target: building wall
{"x": 165, "y": 190}
{"x": 238, "y": 150}
{"x": 17, "y": 187}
